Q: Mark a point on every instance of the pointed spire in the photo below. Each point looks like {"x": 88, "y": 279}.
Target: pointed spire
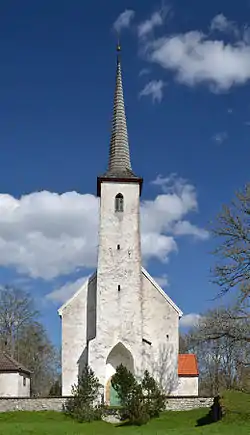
{"x": 119, "y": 155}
{"x": 119, "y": 166}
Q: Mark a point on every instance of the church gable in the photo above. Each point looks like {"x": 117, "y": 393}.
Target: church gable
{"x": 81, "y": 291}
{"x": 156, "y": 288}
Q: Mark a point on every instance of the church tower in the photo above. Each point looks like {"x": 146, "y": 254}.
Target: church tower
{"x": 119, "y": 287}
{"x": 120, "y": 315}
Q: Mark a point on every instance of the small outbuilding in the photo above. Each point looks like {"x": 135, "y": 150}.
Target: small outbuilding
{"x": 14, "y": 377}
{"x": 188, "y": 375}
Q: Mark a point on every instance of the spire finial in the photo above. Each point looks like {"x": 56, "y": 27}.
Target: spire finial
{"x": 118, "y": 45}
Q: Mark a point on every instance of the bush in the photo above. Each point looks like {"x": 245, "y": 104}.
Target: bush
{"x": 83, "y": 405}
{"x": 123, "y": 382}
{"x": 140, "y": 401}
{"x": 137, "y": 409}
{"x": 153, "y": 397}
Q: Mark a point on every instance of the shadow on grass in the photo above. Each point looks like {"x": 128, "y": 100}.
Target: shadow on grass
{"x": 204, "y": 421}
{"x": 214, "y": 414}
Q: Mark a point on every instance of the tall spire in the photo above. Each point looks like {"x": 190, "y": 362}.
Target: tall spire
{"x": 119, "y": 165}
{"x": 119, "y": 155}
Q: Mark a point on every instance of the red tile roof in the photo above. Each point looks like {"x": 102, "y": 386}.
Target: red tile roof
{"x": 187, "y": 365}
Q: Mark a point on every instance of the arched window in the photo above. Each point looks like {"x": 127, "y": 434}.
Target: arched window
{"x": 119, "y": 202}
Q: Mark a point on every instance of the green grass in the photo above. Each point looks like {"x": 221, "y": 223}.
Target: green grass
{"x": 170, "y": 423}
{"x": 236, "y": 403}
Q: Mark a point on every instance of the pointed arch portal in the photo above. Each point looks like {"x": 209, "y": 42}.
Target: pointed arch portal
{"x": 118, "y": 355}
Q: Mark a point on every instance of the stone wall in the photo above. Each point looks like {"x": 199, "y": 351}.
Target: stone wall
{"x": 187, "y": 403}
{"x": 56, "y": 404}
{"x": 32, "y": 404}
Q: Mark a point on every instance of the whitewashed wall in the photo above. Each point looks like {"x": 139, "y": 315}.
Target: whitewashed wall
{"x": 187, "y": 386}
{"x": 161, "y": 328}
{"x": 11, "y": 385}
{"x": 74, "y": 333}
{"x": 119, "y": 316}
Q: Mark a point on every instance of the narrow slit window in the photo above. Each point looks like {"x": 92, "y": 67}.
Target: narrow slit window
{"x": 118, "y": 247}
{"x": 119, "y": 203}
{"x": 146, "y": 341}
{"x": 119, "y": 287}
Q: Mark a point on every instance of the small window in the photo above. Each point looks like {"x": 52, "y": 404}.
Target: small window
{"x": 146, "y": 341}
{"x": 119, "y": 203}
{"x": 119, "y": 287}
{"x": 118, "y": 247}
{"x": 24, "y": 381}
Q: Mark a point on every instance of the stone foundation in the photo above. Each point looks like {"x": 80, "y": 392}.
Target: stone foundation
{"x": 187, "y": 403}
{"x": 56, "y": 403}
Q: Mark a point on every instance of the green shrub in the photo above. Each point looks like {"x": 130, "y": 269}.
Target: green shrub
{"x": 153, "y": 397}
{"x": 123, "y": 382}
{"x": 137, "y": 409}
{"x": 83, "y": 405}
{"x": 140, "y": 401}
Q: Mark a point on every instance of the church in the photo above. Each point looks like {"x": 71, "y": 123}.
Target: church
{"x": 121, "y": 315}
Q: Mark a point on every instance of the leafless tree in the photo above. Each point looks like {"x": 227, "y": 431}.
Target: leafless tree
{"x": 16, "y": 312}
{"x": 183, "y": 345}
{"x": 232, "y": 270}
{"x": 222, "y": 356}
{"x": 25, "y": 339}
{"x": 38, "y": 354}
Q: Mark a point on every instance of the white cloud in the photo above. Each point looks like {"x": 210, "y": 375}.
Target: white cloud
{"x": 196, "y": 58}
{"x": 65, "y": 292}
{"x": 144, "y": 71}
{"x": 220, "y": 137}
{"x": 185, "y": 228}
{"x": 222, "y": 24}
{"x": 159, "y": 246}
{"x": 153, "y": 89}
{"x": 124, "y": 20}
{"x": 46, "y": 235}
{"x": 190, "y": 320}
{"x": 146, "y": 27}
{"x": 162, "y": 280}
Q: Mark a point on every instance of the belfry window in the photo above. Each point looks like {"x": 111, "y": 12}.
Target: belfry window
{"x": 119, "y": 203}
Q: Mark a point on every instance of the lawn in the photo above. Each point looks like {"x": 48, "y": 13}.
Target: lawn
{"x": 170, "y": 423}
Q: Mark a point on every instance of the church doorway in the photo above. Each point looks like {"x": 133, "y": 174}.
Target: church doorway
{"x": 118, "y": 355}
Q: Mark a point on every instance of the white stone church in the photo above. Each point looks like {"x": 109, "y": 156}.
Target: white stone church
{"x": 121, "y": 315}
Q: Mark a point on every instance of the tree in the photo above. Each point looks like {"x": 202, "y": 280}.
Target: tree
{"x": 153, "y": 397}
{"x": 16, "y": 312}
{"x": 123, "y": 382}
{"x": 83, "y": 405}
{"x": 25, "y": 339}
{"x": 183, "y": 346}
{"x": 38, "y": 354}
{"x": 56, "y": 389}
{"x": 222, "y": 358}
{"x": 141, "y": 399}
{"x": 232, "y": 271}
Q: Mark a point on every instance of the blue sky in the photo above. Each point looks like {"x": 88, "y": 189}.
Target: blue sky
{"x": 186, "y": 71}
